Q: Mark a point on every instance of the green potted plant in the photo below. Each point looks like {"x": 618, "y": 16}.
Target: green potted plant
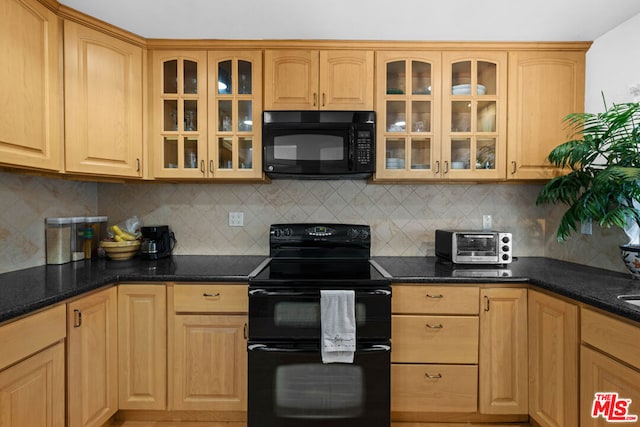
{"x": 602, "y": 183}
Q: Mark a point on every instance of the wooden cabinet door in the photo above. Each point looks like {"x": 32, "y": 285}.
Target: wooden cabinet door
{"x": 235, "y": 114}
{"x": 178, "y": 140}
{"x": 31, "y": 86}
{"x": 543, "y": 88}
{"x": 32, "y": 391}
{"x": 346, "y": 80}
{"x": 103, "y": 103}
{"x": 92, "y": 358}
{"x": 553, "y": 361}
{"x": 142, "y": 346}
{"x": 474, "y": 115}
{"x": 503, "y": 387}
{"x": 208, "y": 363}
{"x": 601, "y": 374}
{"x": 291, "y": 79}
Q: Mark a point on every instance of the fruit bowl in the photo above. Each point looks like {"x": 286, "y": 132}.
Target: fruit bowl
{"x": 120, "y": 250}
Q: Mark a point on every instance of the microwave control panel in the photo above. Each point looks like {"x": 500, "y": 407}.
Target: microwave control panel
{"x": 364, "y": 147}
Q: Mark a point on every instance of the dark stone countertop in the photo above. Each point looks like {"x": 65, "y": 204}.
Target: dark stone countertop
{"x": 25, "y": 291}
{"x": 597, "y": 287}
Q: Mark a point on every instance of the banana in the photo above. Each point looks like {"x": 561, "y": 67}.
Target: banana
{"x": 124, "y": 235}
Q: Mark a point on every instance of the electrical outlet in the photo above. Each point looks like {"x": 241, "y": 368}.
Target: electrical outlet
{"x": 487, "y": 222}
{"x": 586, "y": 227}
{"x": 236, "y": 219}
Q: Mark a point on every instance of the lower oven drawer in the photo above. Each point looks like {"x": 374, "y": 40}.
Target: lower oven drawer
{"x": 434, "y": 388}
{"x": 289, "y": 386}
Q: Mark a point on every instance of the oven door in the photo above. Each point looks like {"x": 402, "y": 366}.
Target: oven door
{"x": 289, "y": 386}
{"x": 294, "y": 313}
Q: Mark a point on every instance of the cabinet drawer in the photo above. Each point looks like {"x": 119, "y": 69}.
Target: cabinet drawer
{"x": 434, "y": 388}
{"x": 416, "y": 299}
{"x": 31, "y": 334}
{"x": 210, "y": 298}
{"x": 434, "y": 339}
{"x": 612, "y": 336}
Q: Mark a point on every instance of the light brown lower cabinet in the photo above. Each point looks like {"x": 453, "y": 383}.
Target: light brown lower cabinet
{"x": 142, "y": 346}
{"x": 207, "y": 347}
{"x": 599, "y": 374}
{"x": 553, "y": 361}
{"x": 503, "y": 387}
{"x": 92, "y": 358}
{"x": 32, "y": 380}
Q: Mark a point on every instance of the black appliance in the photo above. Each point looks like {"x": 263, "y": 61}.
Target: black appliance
{"x": 319, "y": 144}
{"x": 157, "y": 242}
{"x": 289, "y": 385}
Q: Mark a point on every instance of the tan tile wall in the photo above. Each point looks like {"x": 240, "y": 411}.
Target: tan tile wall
{"x": 403, "y": 217}
{"x": 25, "y": 202}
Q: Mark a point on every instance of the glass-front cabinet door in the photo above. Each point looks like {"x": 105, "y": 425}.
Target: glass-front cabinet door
{"x": 235, "y": 106}
{"x": 180, "y": 110}
{"x": 474, "y": 115}
{"x": 408, "y": 104}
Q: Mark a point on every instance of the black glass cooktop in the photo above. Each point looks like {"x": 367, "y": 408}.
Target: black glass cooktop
{"x": 311, "y": 272}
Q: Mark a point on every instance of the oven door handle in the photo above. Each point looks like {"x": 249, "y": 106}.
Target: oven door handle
{"x": 264, "y": 347}
{"x": 375, "y": 347}
{"x": 266, "y": 293}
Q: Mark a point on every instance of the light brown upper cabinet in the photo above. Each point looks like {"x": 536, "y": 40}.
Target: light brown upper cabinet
{"x": 31, "y": 86}
{"x": 312, "y": 79}
{"x": 474, "y": 115}
{"x": 441, "y": 115}
{"x": 207, "y": 114}
{"x": 235, "y": 114}
{"x": 544, "y": 86}
{"x": 178, "y": 137}
{"x": 103, "y": 103}
{"x": 408, "y": 106}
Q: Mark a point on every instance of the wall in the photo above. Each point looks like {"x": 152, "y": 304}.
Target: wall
{"x": 403, "y": 217}
{"x": 612, "y": 68}
{"x": 26, "y": 202}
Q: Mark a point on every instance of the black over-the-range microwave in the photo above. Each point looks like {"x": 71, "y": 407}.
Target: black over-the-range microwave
{"x": 319, "y": 144}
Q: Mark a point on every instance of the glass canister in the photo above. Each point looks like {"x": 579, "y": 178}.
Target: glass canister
{"x": 99, "y": 226}
{"x": 58, "y": 240}
{"x": 77, "y": 238}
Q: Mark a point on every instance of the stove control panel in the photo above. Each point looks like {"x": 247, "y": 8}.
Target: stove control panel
{"x": 317, "y": 239}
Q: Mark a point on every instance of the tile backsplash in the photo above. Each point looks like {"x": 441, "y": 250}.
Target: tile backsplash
{"x": 403, "y": 217}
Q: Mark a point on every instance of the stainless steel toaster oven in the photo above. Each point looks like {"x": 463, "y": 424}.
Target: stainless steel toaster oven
{"x": 474, "y": 247}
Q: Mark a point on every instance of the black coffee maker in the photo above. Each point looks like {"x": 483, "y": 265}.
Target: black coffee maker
{"x": 157, "y": 242}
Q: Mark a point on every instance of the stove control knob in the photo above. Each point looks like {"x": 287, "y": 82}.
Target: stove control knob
{"x": 505, "y": 239}
{"x": 353, "y": 233}
{"x": 287, "y": 232}
{"x": 364, "y": 234}
{"x": 505, "y": 248}
{"x": 276, "y": 232}
{"x": 505, "y": 257}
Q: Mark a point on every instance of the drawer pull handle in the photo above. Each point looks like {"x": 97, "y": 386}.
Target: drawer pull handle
{"x": 438, "y": 326}
{"x": 433, "y": 377}
{"x": 217, "y": 294}
{"x": 435, "y": 296}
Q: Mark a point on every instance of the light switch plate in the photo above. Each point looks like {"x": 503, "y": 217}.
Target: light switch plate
{"x": 487, "y": 222}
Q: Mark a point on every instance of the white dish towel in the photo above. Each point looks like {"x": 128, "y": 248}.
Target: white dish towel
{"x": 338, "y": 324}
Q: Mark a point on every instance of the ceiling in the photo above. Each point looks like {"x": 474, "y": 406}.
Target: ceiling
{"x": 423, "y": 20}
